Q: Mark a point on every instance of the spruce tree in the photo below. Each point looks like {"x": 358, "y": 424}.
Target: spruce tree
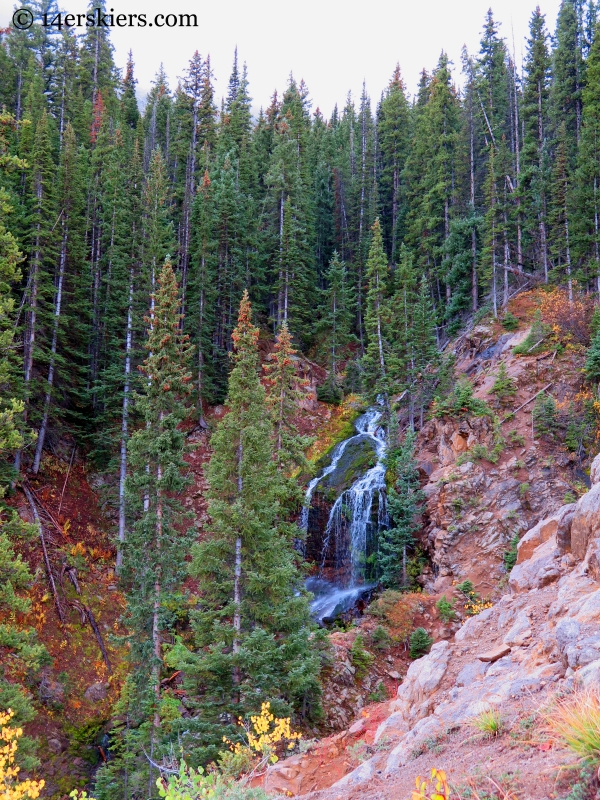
{"x": 404, "y": 504}
{"x": 252, "y": 629}
{"x": 377, "y": 275}
{"x": 157, "y": 539}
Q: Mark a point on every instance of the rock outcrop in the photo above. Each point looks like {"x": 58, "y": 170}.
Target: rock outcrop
{"x": 541, "y": 637}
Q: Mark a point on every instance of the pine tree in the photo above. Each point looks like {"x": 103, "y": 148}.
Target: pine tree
{"x": 157, "y": 540}
{"x": 253, "y": 635}
{"x": 560, "y": 213}
{"x": 129, "y": 106}
{"x": 336, "y": 322}
{"x": 22, "y": 652}
{"x": 592, "y": 360}
{"x": 393, "y": 138}
{"x": 536, "y": 157}
{"x": 377, "y": 275}
{"x": 586, "y": 199}
{"x": 404, "y": 504}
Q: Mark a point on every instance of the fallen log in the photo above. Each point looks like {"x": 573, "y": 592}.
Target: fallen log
{"x": 36, "y": 516}
{"x": 516, "y": 411}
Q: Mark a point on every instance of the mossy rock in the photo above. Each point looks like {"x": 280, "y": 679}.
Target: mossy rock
{"x": 358, "y": 457}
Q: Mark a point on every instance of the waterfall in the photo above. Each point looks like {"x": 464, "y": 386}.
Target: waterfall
{"x": 350, "y": 523}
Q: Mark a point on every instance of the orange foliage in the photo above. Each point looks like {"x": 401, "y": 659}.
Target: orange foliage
{"x": 569, "y": 321}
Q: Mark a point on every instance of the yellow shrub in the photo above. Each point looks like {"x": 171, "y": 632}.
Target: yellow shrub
{"x": 10, "y": 786}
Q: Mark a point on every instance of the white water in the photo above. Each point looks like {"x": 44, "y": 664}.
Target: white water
{"x": 351, "y": 512}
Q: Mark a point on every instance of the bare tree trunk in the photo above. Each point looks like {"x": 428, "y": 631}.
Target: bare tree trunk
{"x": 125, "y": 425}
{"x": 50, "y": 380}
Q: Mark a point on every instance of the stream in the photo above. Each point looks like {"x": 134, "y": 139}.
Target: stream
{"x": 356, "y": 515}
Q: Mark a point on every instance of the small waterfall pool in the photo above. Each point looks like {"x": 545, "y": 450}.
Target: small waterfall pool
{"x": 352, "y": 522}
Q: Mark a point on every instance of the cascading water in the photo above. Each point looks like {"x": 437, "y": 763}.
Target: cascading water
{"x": 351, "y": 523}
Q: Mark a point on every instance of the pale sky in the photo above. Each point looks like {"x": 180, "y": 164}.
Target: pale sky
{"x": 332, "y": 44}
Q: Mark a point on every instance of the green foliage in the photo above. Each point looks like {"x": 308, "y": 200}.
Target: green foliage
{"x": 379, "y": 694}
{"x": 445, "y": 609}
{"x": 461, "y": 403}
{"x": 545, "y": 416}
{"x": 380, "y": 638}
{"x": 404, "y": 504}
{"x": 360, "y": 658}
{"x": 505, "y": 387}
{"x": 330, "y": 392}
{"x": 420, "y": 641}
{"x": 523, "y": 489}
{"x": 535, "y": 337}
{"x": 489, "y": 722}
{"x": 253, "y": 638}
{"x": 592, "y": 359}
{"x": 191, "y": 784}
{"x": 510, "y": 322}
{"x": 466, "y": 587}
{"x": 516, "y": 439}
{"x": 510, "y": 555}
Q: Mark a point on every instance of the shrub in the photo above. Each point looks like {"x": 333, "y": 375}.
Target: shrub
{"x": 379, "y": 694}
{"x": 435, "y": 789}
{"x": 381, "y": 639}
{"x": 190, "y": 783}
{"x": 516, "y": 439}
{"x": 505, "y": 387}
{"x": 569, "y": 320}
{"x": 576, "y": 722}
{"x": 534, "y": 338}
{"x": 569, "y": 498}
{"x": 445, "y": 609}
{"x": 523, "y": 489}
{"x": 461, "y": 403}
{"x": 330, "y": 392}
{"x": 420, "y": 642}
{"x": 360, "y": 658}
{"x": 466, "y": 588}
{"x": 545, "y": 416}
{"x": 510, "y": 322}
{"x": 10, "y": 786}
{"x": 489, "y": 722}
{"x": 398, "y": 609}
{"x": 510, "y": 555}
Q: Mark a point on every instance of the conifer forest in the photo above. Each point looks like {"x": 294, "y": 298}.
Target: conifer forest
{"x": 169, "y": 271}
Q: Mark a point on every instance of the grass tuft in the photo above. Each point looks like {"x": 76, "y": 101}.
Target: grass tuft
{"x": 575, "y": 721}
{"x": 489, "y": 722}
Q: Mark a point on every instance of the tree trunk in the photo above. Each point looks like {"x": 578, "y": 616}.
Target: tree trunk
{"x": 125, "y": 424}
{"x": 50, "y": 380}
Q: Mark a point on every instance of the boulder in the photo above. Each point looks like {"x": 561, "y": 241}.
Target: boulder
{"x": 586, "y": 522}
{"x": 52, "y": 693}
{"x": 545, "y": 529}
{"x": 406, "y": 750}
{"x": 471, "y": 673}
{"x": 96, "y": 692}
{"x": 474, "y": 626}
{"x": 542, "y": 568}
{"x": 414, "y": 699}
{"x": 589, "y": 676}
{"x": 519, "y": 632}
{"x": 595, "y": 470}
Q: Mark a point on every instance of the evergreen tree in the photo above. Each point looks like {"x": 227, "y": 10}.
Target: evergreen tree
{"x": 404, "y": 504}
{"x": 252, "y": 629}
{"x": 374, "y": 359}
{"x": 536, "y": 156}
{"x": 157, "y": 540}
{"x": 393, "y": 138}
